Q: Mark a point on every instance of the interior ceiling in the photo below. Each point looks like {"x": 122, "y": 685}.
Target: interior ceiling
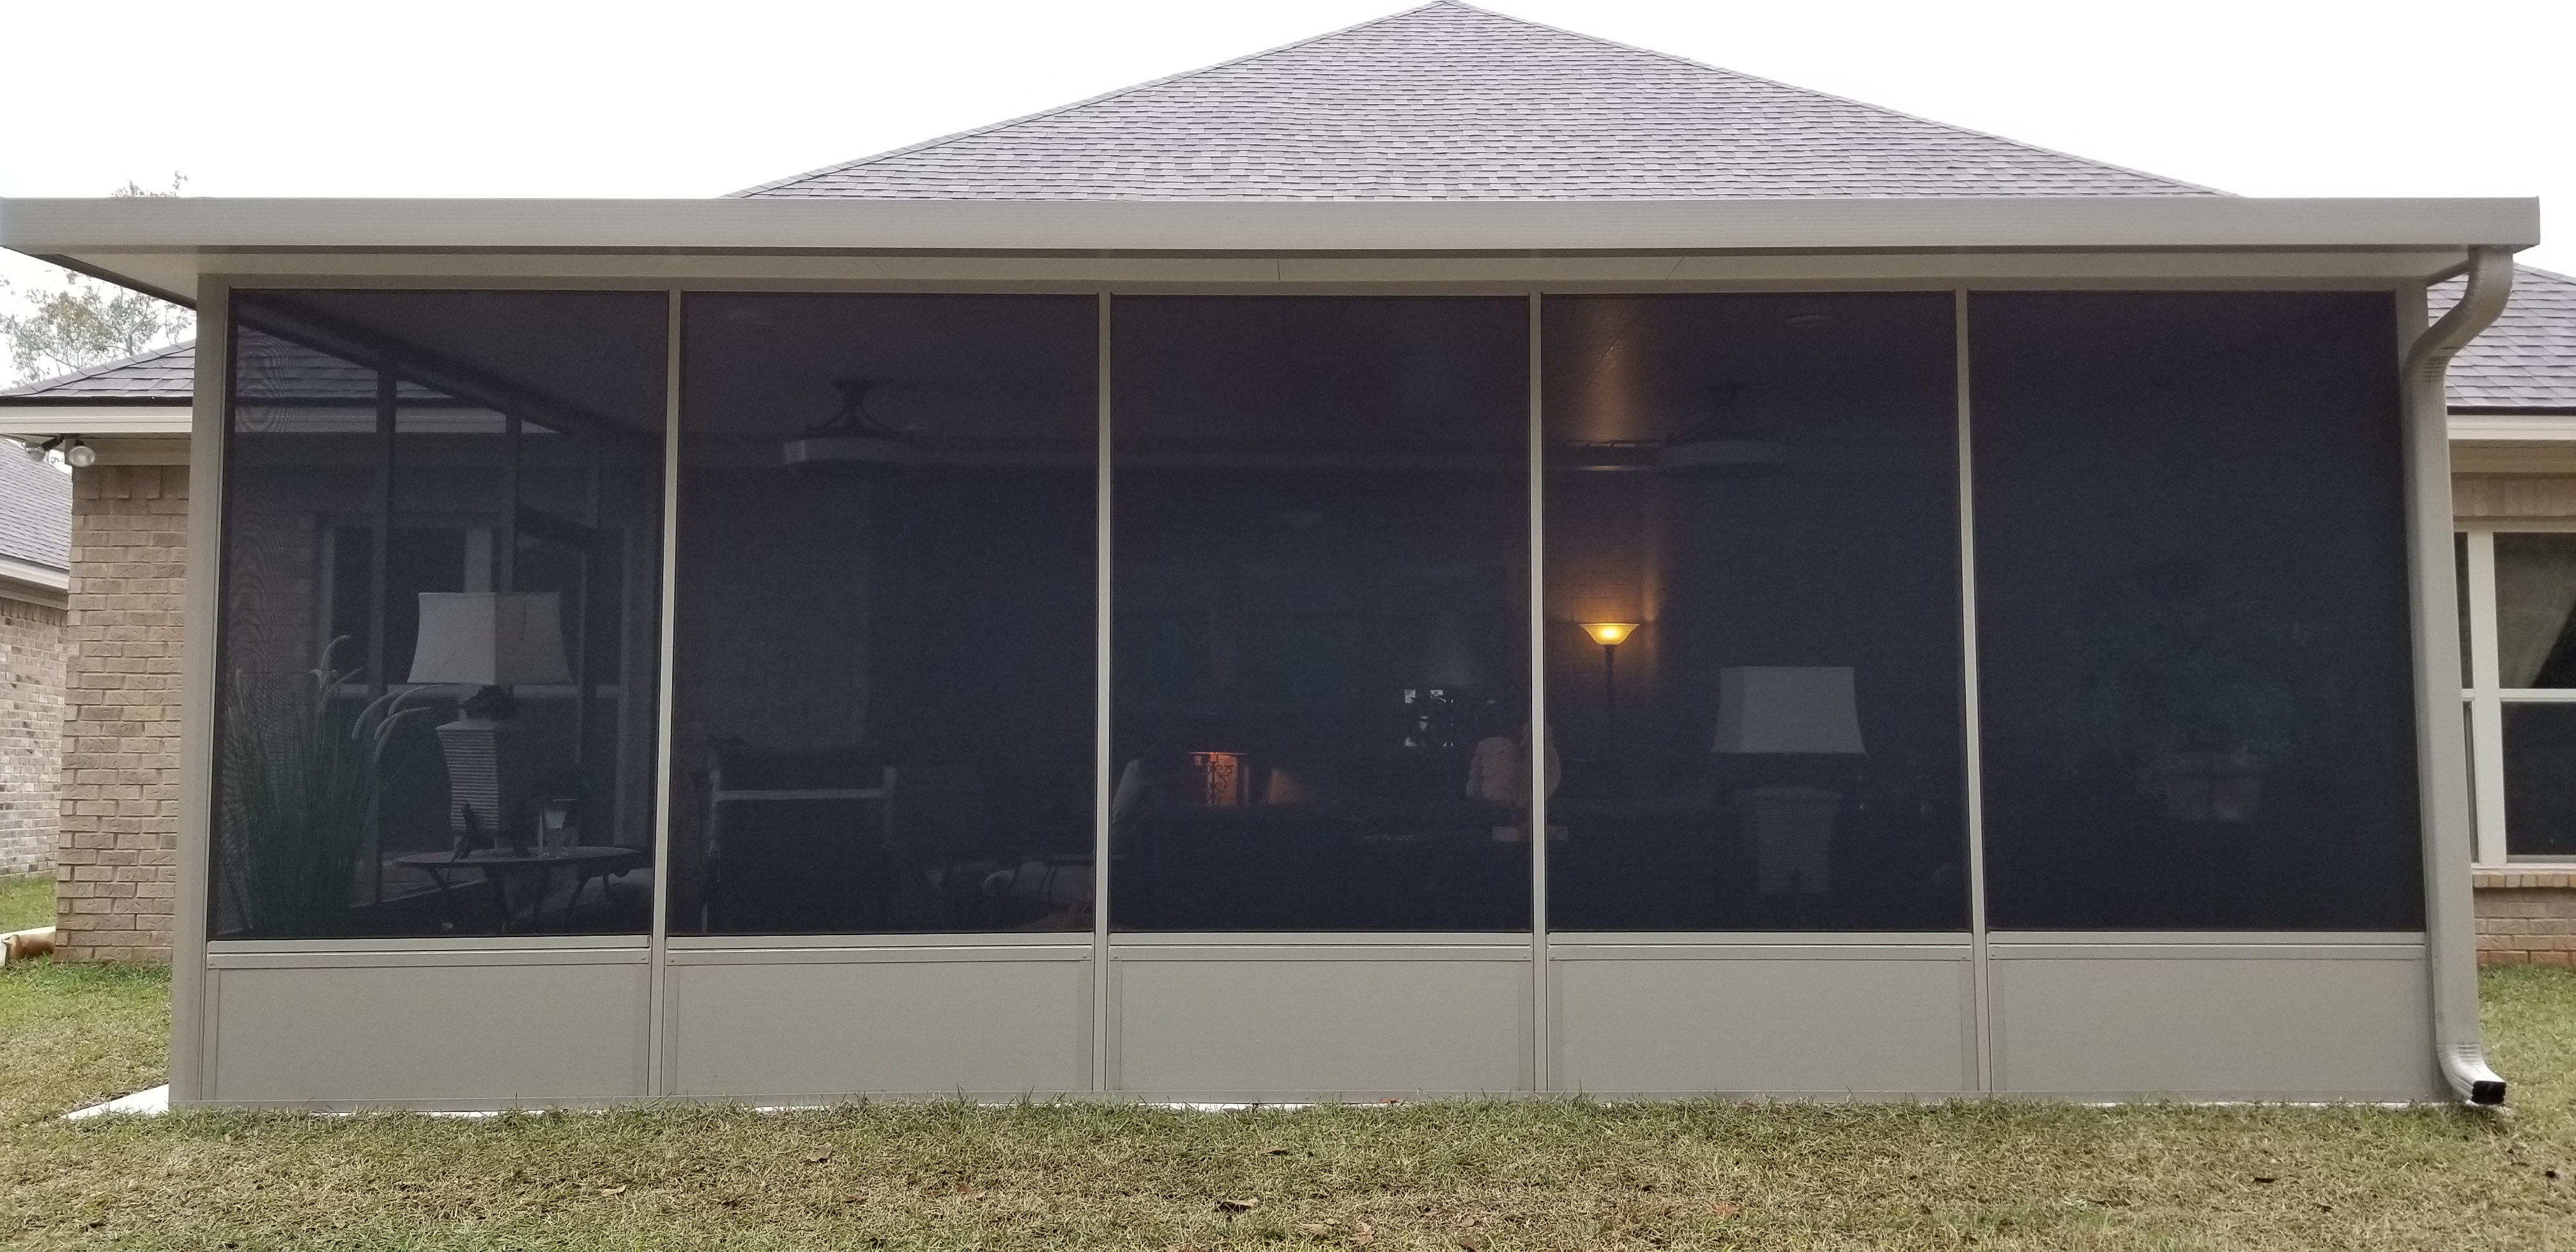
{"x": 1005, "y": 367}
{"x": 1644, "y": 367}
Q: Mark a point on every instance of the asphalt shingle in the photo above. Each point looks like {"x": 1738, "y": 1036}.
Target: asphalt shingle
{"x": 271, "y": 369}
{"x": 35, "y": 509}
{"x": 162, "y": 374}
{"x": 1452, "y": 102}
{"x": 2527, "y": 360}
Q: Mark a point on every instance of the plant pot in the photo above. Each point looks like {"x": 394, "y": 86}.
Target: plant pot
{"x": 2211, "y": 786}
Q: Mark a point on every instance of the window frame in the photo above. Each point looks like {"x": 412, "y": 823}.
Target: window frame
{"x": 2484, "y": 696}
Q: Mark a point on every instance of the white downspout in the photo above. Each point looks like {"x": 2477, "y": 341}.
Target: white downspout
{"x": 2450, "y": 926}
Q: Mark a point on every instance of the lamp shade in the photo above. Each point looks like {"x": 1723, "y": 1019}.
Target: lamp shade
{"x": 490, "y": 639}
{"x": 1783, "y": 708}
{"x": 1451, "y": 659}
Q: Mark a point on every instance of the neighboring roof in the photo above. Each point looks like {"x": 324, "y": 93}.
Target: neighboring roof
{"x": 163, "y": 374}
{"x": 35, "y": 510}
{"x": 1448, "y": 102}
{"x": 2526, "y": 361}
{"x": 272, "y": 369}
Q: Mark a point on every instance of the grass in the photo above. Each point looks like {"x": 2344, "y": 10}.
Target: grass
{"x": 26, "y": 903}
{"x": 1434, "y": 1176}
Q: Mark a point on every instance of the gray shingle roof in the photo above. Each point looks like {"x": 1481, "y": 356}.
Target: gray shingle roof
{"x": 162, "y": 374}
{"x": 1446, "y": 101}
{"x": 2527, "y": 360}
{"x": 272, "y": 369}
{"x": 35, "y": 509}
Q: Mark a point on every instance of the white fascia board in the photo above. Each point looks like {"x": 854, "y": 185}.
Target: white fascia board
{"x": 45, "y": 421}
{"x": 52, "y": 227}
{"x": 2513, "y": 428}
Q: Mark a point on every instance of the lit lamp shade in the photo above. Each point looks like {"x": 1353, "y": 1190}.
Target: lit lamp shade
{"x": 490, "y": 639}
{"x": 1787, "y": 709}
{"x": 1609, "y": 634}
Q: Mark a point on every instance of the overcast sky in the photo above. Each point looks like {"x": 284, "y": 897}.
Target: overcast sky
{"x": 542, "y": 98}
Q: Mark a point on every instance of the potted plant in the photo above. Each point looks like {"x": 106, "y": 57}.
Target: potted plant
{"x": 2182, "y": 681}
{"x": 300, "y": 787}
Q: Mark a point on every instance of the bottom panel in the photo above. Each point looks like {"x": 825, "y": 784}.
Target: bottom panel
{"x": 1727, "y": 1021}
{"x": 1250, "y": 1027}
{"x": 472, "y": 1035}
{"x": 805, "y": 1026}
{"x": 2213, "y": 1024}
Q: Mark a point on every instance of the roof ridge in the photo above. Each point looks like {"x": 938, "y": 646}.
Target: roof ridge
{"x": 1791, "y": 91}
{"x": 42, "y": 385}
{"x": 1129, "y": 89}
{"x": 1695, "y": 63}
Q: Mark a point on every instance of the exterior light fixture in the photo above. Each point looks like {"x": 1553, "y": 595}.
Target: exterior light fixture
{"x": 76, "y": 454}
{"x": 852, "y": 440}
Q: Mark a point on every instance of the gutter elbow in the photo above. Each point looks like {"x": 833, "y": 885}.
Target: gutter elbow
{"x": 2464, "y": 1065}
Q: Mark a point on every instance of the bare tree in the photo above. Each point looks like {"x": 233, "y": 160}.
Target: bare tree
{"x": 85, "y": 322}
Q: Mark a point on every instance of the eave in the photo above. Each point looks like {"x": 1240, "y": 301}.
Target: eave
{"x": 162, "y": 244}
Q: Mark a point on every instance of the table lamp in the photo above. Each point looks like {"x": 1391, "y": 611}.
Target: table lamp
{"x": 488, "y": 641}
{"x": 1789, "y": 711}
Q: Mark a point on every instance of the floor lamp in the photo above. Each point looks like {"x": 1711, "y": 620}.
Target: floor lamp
{"x": 1609, "y": 635}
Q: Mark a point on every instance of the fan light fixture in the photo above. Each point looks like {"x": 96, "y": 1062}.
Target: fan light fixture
{"x": 852, "y": 440}
{"x": 1717, "y": 444}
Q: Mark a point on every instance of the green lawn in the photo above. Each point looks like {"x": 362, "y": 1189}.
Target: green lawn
{"x": 26, "y": 903}
{"x": 1438, "y": 1176}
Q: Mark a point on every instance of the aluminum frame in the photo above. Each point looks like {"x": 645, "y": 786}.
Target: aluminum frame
{"x": 1540, "y": 950}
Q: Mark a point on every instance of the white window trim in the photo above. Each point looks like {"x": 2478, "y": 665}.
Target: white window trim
{"x": 2486, "y": 699}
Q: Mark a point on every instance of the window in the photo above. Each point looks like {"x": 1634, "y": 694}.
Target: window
{"x": 1321, "y": 572}
{"x": 2192, "y": 613}
{"x": 884, "y": 653}
{"x": 2518, "y": 630}
{"x": 1753, "y": 613}
{"x": 442, "y": 516}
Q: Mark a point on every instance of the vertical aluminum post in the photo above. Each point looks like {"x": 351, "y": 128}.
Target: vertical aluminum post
{"x": 1970, "y": 728}
{"x": 656, "y": 1080}
{"x": 1100, "y": 762}
{"x": 1542, "y": 1036}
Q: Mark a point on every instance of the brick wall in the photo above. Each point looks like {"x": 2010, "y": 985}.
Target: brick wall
{"x": 2527, "y": 916}
{"x": 31, "y": 734}
{"x": 114, "y": 873}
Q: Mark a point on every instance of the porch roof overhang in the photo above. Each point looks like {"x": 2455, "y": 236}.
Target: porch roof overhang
{"x": 162, "y": 244}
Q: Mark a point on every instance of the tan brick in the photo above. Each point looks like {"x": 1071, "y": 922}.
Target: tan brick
{"x": 123, "y": 657}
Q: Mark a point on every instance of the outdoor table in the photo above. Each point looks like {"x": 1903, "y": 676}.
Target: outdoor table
{"x": 537, "y": 865}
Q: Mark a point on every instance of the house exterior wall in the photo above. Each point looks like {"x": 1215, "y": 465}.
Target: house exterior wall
{"x": 31, "y": 734}
{"x": 114, "y": 882}
{"x": 2525, "y": 916}
{"x": 2499, "y": 496}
